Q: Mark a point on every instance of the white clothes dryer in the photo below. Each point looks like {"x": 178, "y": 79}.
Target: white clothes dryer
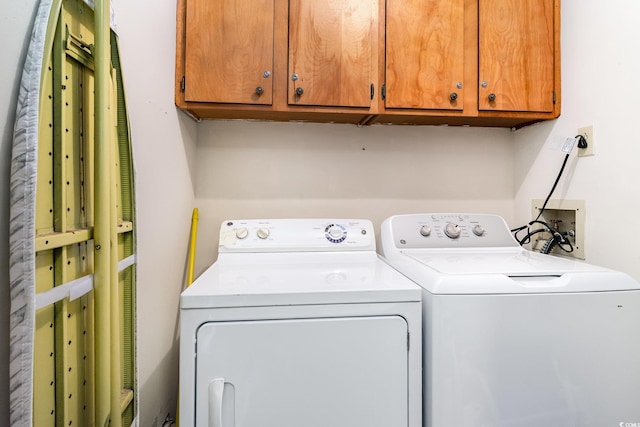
{"x": 515, "y": 338}
{"x": 300, "y": 323}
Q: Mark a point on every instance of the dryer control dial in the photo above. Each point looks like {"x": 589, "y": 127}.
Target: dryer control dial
{"x": 242, "y": 233}
{"x": 335, "y": 233}
{"x": 263, "y": 233}
{"x": 478, "y": 230}
{"x": 425, "y": 230}
{"x": 452, "y": 230}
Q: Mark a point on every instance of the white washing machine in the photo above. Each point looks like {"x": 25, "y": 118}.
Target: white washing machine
{"x": 516, "y": 338}
{"x": 300, "y": 323}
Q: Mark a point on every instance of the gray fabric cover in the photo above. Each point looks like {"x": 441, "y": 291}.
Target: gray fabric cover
{"x": 24, "y": 164}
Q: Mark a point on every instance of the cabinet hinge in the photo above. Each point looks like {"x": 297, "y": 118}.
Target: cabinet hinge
{"x": 383, "y": 92}
{"x": 554, "y": 97}
{"x": 373, "y": 90}
{"x": 182, "y": 84}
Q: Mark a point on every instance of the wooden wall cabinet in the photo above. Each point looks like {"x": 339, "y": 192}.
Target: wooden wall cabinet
{"x": 424, "y": 52}
{"x": 332, "y": 52}
{"x": 472, "y": 62}
{"x": 228, "y": 54}
{"x": 516, "y": 55}
{"x": 458, "y": 62}
{"x": 313, "y": 60}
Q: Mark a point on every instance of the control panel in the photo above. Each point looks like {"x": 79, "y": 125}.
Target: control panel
{"x": 447, "y": 231}
{"x": 283, "y": 235}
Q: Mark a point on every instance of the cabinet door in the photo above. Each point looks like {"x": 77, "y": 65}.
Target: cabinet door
{"x": 424, "y": 54}
{"x": 332, "y": 45}
{"x": 229, "y": 51}
{"x": 516, "y": 55}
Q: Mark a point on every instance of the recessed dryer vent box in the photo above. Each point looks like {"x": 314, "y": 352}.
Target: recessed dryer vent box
{"x": 566, "y": 216}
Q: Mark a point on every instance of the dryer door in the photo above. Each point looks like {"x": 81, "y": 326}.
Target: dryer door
{"x": 339, "y": 372}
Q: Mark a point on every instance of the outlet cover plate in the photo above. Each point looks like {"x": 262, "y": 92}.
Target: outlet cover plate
{"x": 587, "y": 132}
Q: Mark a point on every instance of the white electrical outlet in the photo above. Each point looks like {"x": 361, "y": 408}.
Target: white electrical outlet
{"x": 587, "y": 132}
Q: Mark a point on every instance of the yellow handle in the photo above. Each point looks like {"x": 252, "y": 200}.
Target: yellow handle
{"x": 192, "y": 245}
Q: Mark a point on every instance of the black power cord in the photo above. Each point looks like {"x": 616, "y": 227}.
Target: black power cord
{"x": 557, "y": 239}
{"x": 527, "y": 238}
{"x": 555, "y": 184}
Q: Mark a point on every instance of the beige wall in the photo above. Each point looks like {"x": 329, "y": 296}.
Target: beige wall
{"x": 254, "y": 169}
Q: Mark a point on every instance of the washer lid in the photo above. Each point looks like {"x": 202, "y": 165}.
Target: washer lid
{"x": 506, "y": 271}
{"x": 507, "y": 261}
{"x": 275, "y": 279}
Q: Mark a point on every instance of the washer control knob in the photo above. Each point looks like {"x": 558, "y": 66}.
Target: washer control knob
{"x": 242, "y": 233}
{"x": 452, "y": 230}
{"x": 478, "y": 230}
{"x": 425, "y": 230}
{"x": 263, "y": 233}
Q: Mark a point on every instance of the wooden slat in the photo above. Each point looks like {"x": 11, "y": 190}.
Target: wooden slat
{"x": 126, "y": 397}
{"x": 44, "y": 372}
{"x": 124, "y": 226}
{"x": 59, "y": 239}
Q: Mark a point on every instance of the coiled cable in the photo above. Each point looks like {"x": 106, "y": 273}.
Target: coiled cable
{"x": 557, "y": 238}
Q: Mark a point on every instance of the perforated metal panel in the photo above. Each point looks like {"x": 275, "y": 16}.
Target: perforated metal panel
{"x": 64, "y": 350}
